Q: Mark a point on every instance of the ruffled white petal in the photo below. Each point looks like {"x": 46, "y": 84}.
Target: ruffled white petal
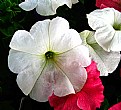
{"x": 28, "y": 66}
{"x": 35, "y": 42}
{"x": 61, "y": 37}
{"x": 58, "y": 27}
{"x": 45, "y": 8}
{"x": 78, "y": 54}
{"x": 106, "y": 22}
{"x": 104, "y": 36}
{"x": 107, "y": 62}
{"x": 76, "y": 74}
{"x": 40, "y": 33}
{"x": 72, "y": 63}
{"x": 28, "y": 5}
{"x": 62, "y": 83}
{"x": 43, "y": 86}
{"x": 57, "y": 3}
{"x": 52, "y": 79}
{"x": 116, "y": 42}
{"x": 74, "y": 1}
{"x": 101, "y": 17}
{"x": 71, "y": 39}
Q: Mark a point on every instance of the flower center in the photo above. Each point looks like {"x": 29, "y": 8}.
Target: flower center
{"x": 49, "y": 55}
{"x": 117, "y": 26}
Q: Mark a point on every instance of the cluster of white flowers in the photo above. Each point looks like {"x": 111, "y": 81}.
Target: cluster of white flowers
{"x": 45, "y": 7}
{"x": 51, "y": 57}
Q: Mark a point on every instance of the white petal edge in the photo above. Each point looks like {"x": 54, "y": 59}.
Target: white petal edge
{"x": 51, "y": 80}
{"x": 28, "y": 5}
{"x": 116, "y": 42}
{"x": 57, "y": 3}
{"x": 40, "y": 33}
{"x": 74, "y": 1}
{"x": 45, "y": 8}
{"x": 35, "y": 42}
{"x": 100, "y": 17}
{"x": 58, "y": 27}
{"x": 75, "y": 73}
{"x": 104, "y": 36}
{"x": 28, "y": 68}
{"x": 62, "y": 35}
{"x": 107, "y": 62}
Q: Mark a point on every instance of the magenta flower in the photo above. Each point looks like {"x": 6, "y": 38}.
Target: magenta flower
{"x": 89, "y": 98}
{"x": 109, "y": 3}
{"x": 116, "y": 107}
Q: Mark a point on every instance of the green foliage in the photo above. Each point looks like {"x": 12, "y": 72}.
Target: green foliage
{"x": 82, "y": 1}
{"x": 9, "y": 11}
{"x": 105, "y": 105}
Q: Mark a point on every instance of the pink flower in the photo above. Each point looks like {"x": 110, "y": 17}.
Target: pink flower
{"x": 116, "y": 107}
{"x": 89, "y": 98}
{"x": 109, "y": 3}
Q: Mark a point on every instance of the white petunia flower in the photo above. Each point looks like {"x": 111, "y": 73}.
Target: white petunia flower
{"x": 49, "y": 58}
{"x": 107, "y": 62}
{"x": 107, "y": 23}
{"x": 45, "y": 7}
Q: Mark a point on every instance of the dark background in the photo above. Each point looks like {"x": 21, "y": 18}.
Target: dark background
{"x": 13, "y": 18}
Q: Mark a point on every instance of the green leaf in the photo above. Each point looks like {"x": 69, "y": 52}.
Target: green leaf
{"x": 105, "y": 105}
{"x": 82, "y": 1}
{"x": 9, "y": 31}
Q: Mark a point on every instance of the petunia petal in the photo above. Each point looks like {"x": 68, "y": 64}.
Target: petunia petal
{"x": 116, "y": 107}
{"x": 52, "y": 79}
{"x": 57, "y": 3}
{"x": 40, "y": 33}
{"x": 28, "y": 66}
{"x": 72, "y": 63}
{"x": 28, "y": 5}
{"x": 116, "y": 42}
{"x": 61, "y": 35}
{"x": 45, "y": 8}
{"x": 62, "y": 83}
{"x": 58, "y": 27}
{"x": 91, "y": 95}
{"x": 106, "y": 35}
{"x": 64, "y": 103}
{"x": 89, "y": 98}
{"x": 37, "y": 39}
{"x": 102, "y": 16}
{"x": 79, "y": 55}
{"x": 106, "y": 61}
{"x": 71, "y": 39}
{"x": 108, "y": 3}
{"x": 74, "y": 1}
{"x": 43, "y": 86}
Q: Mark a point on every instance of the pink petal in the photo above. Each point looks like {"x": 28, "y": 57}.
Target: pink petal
{"x": 109, "y": 3}
{"x": 64, "y": 103}
{"x": 91, "y": 95}
{"x": 89, "y": 98}
{"x": 103, "y": 6}
{"x": 116, "y": 107}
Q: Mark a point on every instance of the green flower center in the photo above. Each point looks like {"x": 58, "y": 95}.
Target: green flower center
{"x": 49, "y": 55}
{"x": 117, "y": 26}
